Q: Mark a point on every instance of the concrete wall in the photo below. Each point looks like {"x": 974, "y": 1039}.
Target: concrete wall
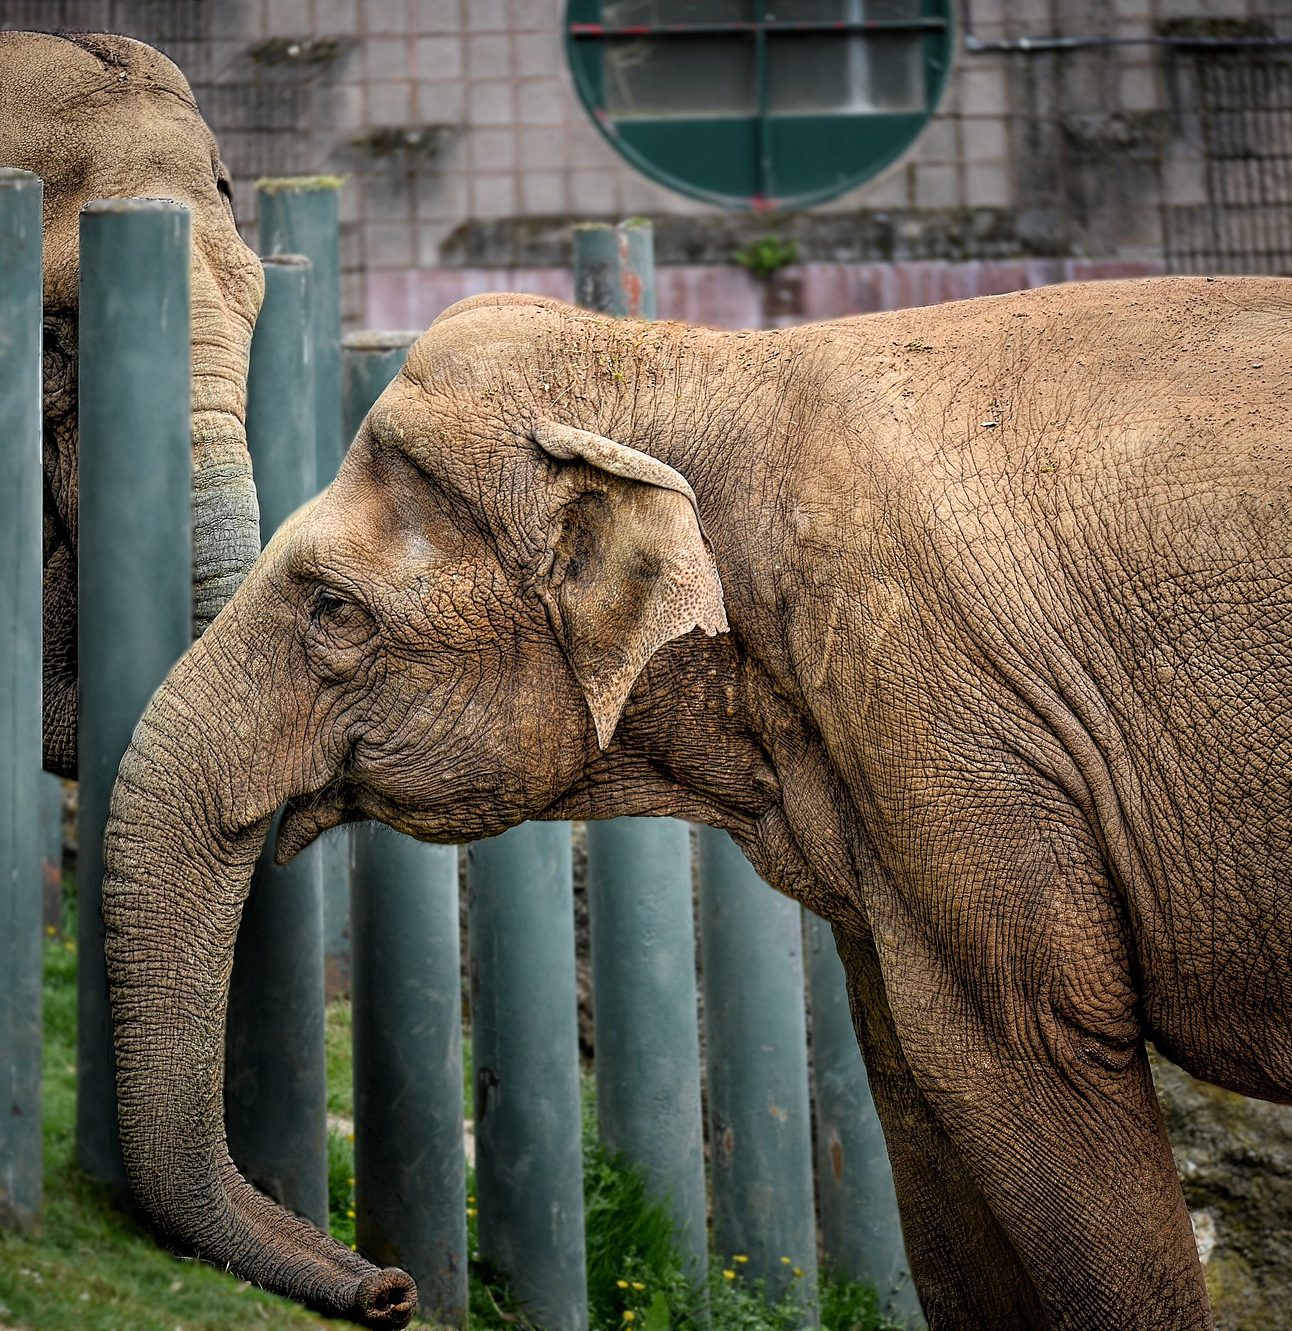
{"x": 467, "y": 153}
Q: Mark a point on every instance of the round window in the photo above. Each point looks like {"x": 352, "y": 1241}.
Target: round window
{"x": 759, "y": 103}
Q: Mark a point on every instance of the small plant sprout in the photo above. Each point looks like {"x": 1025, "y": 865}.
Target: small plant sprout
{"x": 766, "y": 255}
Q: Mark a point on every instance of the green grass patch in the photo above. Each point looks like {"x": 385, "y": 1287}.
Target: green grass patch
{"x": 92, "y": 1265}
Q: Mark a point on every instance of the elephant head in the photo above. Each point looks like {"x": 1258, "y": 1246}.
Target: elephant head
{"x": 488, "y": 617}
{"x": 101, "y": 116}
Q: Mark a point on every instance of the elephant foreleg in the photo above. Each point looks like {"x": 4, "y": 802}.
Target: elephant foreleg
{"x": 1007, "y": 967}
{"x": 966, "y": 1271}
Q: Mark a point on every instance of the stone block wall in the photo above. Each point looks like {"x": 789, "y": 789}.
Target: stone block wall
{"x": 465, "y": 147}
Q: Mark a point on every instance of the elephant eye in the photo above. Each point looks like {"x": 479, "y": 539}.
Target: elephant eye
{"x": 225, "y": 187}
{"x": 342, "y": 621}
{"x": 328, "y": 606}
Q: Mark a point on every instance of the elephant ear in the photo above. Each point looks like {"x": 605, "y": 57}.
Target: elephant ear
{"x": 628, "y": 568}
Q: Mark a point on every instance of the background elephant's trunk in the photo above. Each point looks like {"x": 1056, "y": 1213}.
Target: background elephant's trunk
{"x": 178, "y": 861}
{"x": 226, "y": 520}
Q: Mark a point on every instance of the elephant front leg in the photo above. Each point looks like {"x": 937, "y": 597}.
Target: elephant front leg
{"x": 1007, "y": 969}
{"x": 967, "y": 1274}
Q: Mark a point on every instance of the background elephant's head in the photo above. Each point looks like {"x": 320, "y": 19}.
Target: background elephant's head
{"x": 445, "y": 641}
{"x": 100, "y": 116}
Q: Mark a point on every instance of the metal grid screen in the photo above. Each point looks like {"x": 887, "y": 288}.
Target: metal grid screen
{"x": 1241, "y": 115}
{"x": 262, "y": 113}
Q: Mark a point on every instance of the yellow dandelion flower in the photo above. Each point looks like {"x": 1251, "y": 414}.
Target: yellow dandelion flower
{"x": 50, "y": 930}
{"x": 728, "y": 1274}
{"x": 471, "y": 1198}
{"x": 741, "y": 1258}
{"x": 798, "y": 1273}
{"x": 785, "y": 1261}
{"x": 637, "y": 1284}
{"x": 349, "y": 1136}
{"x": 471, "y": 1212}
{"x": 350, "y": 1212}
{"x": 621, "y": 1284}
{"x": 629, "y": 1315}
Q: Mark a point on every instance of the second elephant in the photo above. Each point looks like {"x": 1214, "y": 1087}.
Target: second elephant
{"x": 101, "y": 116}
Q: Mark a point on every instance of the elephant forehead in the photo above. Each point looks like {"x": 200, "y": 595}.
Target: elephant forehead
{"x": 48, "y": 69}
{"x": 380, "y": 525}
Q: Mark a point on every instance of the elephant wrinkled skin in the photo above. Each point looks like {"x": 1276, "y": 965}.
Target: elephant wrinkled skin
{"x": 98, "y": 116}
{"x": 1002, "y": 693}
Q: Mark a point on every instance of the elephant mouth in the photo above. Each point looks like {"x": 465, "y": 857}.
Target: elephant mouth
{"x": 307, "y": 817}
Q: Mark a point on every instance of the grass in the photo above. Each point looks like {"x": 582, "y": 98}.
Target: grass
{"x": 93, "y": 1266}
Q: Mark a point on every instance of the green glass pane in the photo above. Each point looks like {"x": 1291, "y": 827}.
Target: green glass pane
{"x": 822, "y": 155}
{"x": 645, "y": 78}
{"x": 713, "y": 157}
{"x": 892, "y": 9}
{"x": 684, "y": 110}
{"x": 801, "y": 11}
{"x": 829, "y": 11}
{"x": 818, "y": 73}
{"x": 676, "y": 11}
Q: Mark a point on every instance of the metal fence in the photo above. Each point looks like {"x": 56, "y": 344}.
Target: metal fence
{"x": 1236, "y": 107}
{"x": 410, "y": 1167}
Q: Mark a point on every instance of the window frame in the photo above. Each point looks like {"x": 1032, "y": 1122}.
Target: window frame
{"x": 761, "y": 161}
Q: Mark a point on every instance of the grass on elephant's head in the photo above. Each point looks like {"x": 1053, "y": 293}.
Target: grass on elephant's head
{"x": 92, "y": 1266}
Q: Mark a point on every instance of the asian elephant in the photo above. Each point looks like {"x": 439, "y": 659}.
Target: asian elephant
{"x": 993, "y": 671}
{"x": 100, "y": 116}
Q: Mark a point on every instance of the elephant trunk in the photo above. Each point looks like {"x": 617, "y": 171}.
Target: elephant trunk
{"x": 178, "y": 858}
{"x": 226, "y": 519}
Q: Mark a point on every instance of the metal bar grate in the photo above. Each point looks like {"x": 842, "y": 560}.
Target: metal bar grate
{"x": 1243, "y": 116}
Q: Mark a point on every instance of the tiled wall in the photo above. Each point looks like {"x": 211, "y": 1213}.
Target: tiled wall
{"x": 465, "y": 147}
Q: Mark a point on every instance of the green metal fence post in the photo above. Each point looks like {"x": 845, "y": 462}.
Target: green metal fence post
{"x": 409, "y": 1153}
{"x": 50, "y": 800}
{"x": 136, "y": 558}
{"x": 275, "y": 1090}
{"x": 20, "y": 734}
{"x": 524, "y": 1026}
{"x": 644, "y": 1005}
{"x": 614, "y": 268}
{"x": 760, "y": 1134}
{"x": 299, "y": 215}
{"x": 409, "y": 1156}
{"x": 369, "y": 361}
{"x": 639, "y": 899}
{"x": 860, "y": 1230}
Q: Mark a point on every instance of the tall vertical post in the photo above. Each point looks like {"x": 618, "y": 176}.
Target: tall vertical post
{"x": 409, "y": 1156}
{"x": 860, "y": 1230}
{"x": 760, "y": 1132}
{"x": 299, "y": 215}
{"x": 20, "y": 664}
{"x": 135, "y": 582}
{"x": 639, "y": 899}
{"x": 275, "y": 1089}
{"x": 614, "y": 268}
{"x": 644, "y": 1004}
{"x": 369, "y": 361}
{"x": 524, "y": 1025}
{"x": 49, "y": 797}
